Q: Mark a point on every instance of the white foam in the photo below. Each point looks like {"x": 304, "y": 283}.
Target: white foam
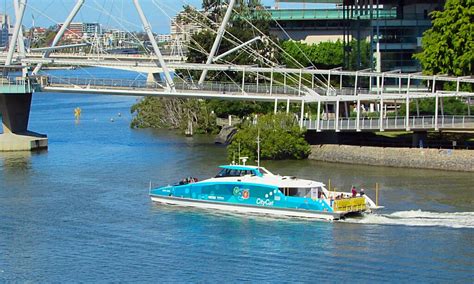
{"x": 419, "y": 218}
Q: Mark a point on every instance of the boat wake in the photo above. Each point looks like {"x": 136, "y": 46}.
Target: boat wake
{"x": 419, "y": 218}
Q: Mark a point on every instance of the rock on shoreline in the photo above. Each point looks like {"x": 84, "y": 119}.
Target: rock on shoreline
{"x": 225, "y": 135}
{"x": 440, "y": 159}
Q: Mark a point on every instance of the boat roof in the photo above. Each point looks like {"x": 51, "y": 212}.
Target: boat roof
{"x": 238, "y": 167}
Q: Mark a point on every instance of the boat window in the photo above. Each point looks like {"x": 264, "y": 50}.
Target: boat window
{"x": 233, "y": 173}
{"x": 297, "y": 192}
{"x": 264, "y": 171}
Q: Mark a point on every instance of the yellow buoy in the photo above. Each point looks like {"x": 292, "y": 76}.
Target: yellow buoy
{"x": 77, "y": 112}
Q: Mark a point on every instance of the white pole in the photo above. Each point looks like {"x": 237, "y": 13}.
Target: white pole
{"x": 151, "y": 37}
{"x": 436, "y": 112}
{"x": 299, "y": 84}
{"x": 302, "y": 114}
{"x": 381, "y": 104}
{"x": 287, "y": 105}
{"x": 336, "y": 122}
{"x": 271, "y": 82}
{"x": 16, "y": 31}
{"x": 218, "y": 39}
{"x": 235, "y": 49}
{"x": 276, "y": 106}
{"x": 355, "y": 83}
{"x": 61, "y": 32}
{"x": 243, "y": 81}
{"x": 329, "y": 83}
{"x": 257, "y": 82}
{"x": 358, "y": 116}
{"x": 318, "y": 117}
{"x": 407, "y": 110}
{"x": 21, "y": 41}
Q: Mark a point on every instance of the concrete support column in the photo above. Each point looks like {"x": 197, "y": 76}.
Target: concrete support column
{"x": 15, "y": 110}
{"x": 152, "y": 79}
{"x": 15, "y": 113}
{"x": 288, "y": 106}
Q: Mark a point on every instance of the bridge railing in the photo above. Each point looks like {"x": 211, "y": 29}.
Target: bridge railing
{"x": 219, "y": 87}
{"x": 104, "y": 82}
{"x": 393, "y": 123}
{"x": 16, "y": 84}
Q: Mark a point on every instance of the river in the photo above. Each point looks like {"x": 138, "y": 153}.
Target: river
{"x": 80, "y": 212}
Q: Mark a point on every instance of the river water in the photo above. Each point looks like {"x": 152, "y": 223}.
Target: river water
{"x": 80, "y": 212}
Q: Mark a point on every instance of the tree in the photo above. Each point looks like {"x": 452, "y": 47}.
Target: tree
{"x": 325, "y": 55}
{"x": 173, "y": 114}
{"x": 280, "y": 136}
{"x": 448, "y": 47}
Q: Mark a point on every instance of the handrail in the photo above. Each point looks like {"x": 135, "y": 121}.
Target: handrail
{"x": 395, "y": 123}
{"x": 180, "y": 85}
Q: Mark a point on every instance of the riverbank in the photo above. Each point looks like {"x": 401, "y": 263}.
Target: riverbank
{"x": 439, "y": 159}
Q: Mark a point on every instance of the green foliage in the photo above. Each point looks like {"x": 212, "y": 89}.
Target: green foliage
{"x": 451, "y": 106}
{"x": 240, "y": 28}
{"x": 223, "y": 108}
{"x": 325, "y": 55}
{"x": 448, "y": 47}
{"x": 152, "y": 112}
{"x": 280, "y": 136}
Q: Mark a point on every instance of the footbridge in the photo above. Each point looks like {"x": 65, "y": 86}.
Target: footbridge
{"x": 329, "y": 100}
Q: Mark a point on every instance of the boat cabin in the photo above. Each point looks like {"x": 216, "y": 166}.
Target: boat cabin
{"x": 310, "y": 192}
{"x": 239, "y": 170}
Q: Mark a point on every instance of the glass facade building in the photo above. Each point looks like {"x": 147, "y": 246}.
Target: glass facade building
{"x": 397, "y": 26}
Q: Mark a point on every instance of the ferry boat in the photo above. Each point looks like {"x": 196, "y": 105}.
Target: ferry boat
{"x": 254, "y": 189}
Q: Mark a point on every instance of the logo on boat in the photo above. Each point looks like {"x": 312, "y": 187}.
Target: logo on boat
{"x": 264, "y": 202}
{"x": 236, "y": 191}
{"x": 241, "y": 193}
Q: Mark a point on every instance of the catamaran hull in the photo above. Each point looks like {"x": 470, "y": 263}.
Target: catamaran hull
{"x": 246, "y": 208}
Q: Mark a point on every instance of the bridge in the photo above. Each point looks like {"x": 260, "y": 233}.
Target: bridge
{"x": 333, "y": 93}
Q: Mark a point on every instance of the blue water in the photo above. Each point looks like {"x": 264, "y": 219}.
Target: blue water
{"x": 81, "y": 212}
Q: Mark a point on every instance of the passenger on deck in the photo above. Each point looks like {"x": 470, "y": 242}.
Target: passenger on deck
{"x": 354, "y": 191}
{"x": 362, "y": 193}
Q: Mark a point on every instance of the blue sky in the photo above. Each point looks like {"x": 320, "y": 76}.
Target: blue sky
{"x": 111, "y": 13}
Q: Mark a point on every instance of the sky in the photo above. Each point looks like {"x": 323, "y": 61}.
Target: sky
{"x": 119, "y": 14}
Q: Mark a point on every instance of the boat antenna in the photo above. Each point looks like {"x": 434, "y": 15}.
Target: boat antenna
{"x": 258, "y": 147}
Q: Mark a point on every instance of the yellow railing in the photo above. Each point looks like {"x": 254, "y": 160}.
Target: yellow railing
{"x": 351, "y": 204}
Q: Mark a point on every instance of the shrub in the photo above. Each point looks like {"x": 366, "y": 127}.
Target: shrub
{"x": 280, "y": 138}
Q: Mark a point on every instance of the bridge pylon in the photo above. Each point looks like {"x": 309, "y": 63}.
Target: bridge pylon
{"x": 15, "y": 104}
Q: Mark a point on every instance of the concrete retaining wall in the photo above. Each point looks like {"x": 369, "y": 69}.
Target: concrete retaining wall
{"x": 452, "y": 160}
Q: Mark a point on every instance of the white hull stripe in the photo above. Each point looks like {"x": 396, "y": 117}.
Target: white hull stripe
{"x": 245, "y": 208}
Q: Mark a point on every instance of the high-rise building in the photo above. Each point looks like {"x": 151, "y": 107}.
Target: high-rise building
{"x": 396, "y": 26}
{"x": 4, "y": 30}
{"x": 90, "y": 29}
{"x": 163, "y": 37}
{"x": 182, "y": 30}
{"x": 74, "y": 32}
